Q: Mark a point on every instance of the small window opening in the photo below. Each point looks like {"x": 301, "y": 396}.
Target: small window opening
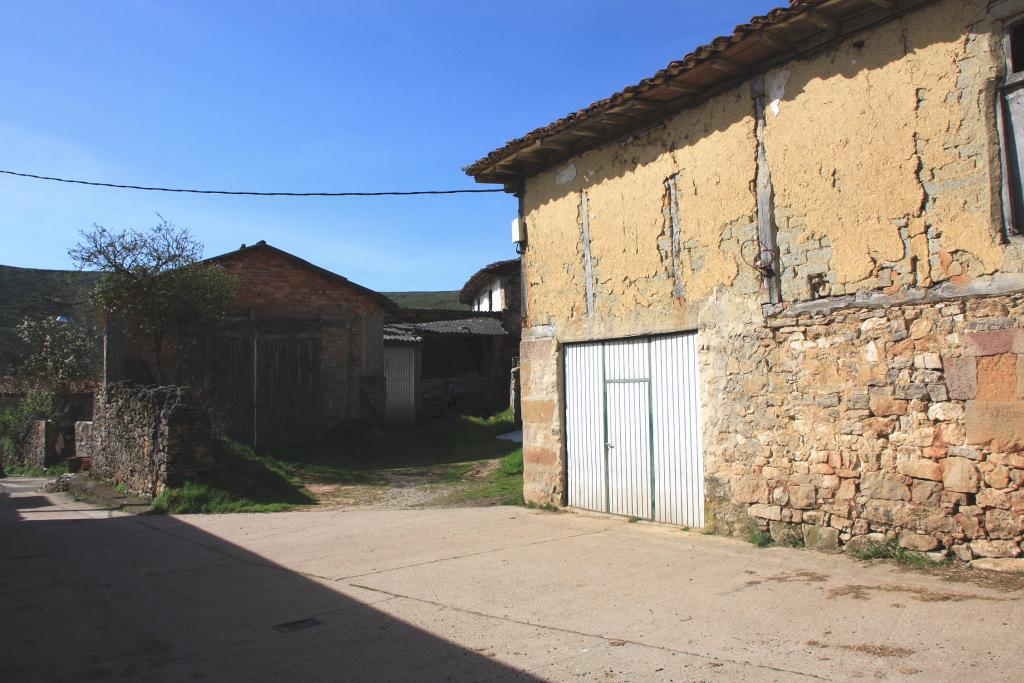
{"x": 1011, "y": 114}
{"x": 1016, "y": 36}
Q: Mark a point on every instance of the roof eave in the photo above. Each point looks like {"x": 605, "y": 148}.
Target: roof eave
{"x": 801, "y": 30}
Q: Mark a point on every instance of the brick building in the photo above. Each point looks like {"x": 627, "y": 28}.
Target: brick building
{"x": 300, "y": 351}
{"x": 779, "y": 284}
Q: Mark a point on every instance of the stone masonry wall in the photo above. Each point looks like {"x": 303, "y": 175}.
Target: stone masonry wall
{"x": 149, "y": 438}
{"x": 905, "y": 421}
{"x": 543, "y": 450}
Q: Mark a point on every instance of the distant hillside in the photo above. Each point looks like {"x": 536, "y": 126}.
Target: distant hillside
{"x": 429, "y": 300}
{"x": 30, "y": 292}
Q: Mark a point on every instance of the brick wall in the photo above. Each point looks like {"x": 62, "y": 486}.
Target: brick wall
{"x": 273, "y": 285}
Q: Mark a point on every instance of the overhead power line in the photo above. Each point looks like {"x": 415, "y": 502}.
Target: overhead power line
{"x": 251, "y": 194}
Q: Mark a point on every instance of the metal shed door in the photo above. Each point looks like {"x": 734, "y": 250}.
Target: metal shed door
{"x": 400, "y": 379}
{"x": 633, "y": 428}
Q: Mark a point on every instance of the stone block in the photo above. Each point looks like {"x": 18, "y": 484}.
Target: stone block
{"x": 1003, "y": 524}
{"x": 539, "y": 410}
{"x": 997, "y": 378}
{"x": 920, "y": 469}
{"x": 750, "y": 489}
{"x": 802, "y": 497}
{"x": 945, "y": 412}
{"x": 882, "y": 404}
{"x": 886, "y": 512}
{"x": 998, "y": 477}
{"x": 1002, "y": 565}
{"x": 998, "y": 425}
{"x": 769, "y": 512}
{"x": 983, "y": 548}
{"x": 921, "y": 328}
{"x": 928, "y": 361}
{"x": 961, "y": 377}
{"x": 963, "y": 552}
{"x": 548, "y": 457}
{"x": 926, "y": 493}
{"x": 990, "y": 342}
{"x": 821, "y": 538}
{"x": 784, "y": 532}
{"x": 918, "y": 542}
{"x": 884, "y": 486}
{"x": 960, "y": 475}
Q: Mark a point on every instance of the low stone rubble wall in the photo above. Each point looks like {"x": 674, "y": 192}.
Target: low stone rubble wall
{"x": 39, "y": 448}
{"x": 149, "y": 438}
{"x": 869, "y": 423}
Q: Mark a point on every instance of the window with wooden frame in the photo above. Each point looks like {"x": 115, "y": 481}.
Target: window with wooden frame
{"x": 1011, "y": 119}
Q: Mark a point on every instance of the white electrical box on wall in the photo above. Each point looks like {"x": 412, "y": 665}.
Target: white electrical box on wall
{"x": 518, "y": 233}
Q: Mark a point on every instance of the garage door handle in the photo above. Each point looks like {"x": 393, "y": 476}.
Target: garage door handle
{"x": 608, "y": 445}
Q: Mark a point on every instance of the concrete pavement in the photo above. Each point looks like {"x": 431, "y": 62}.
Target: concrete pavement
{"x": 463, "y": 594}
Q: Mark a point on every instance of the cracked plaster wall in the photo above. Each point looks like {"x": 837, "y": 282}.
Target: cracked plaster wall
{"x": 885, "y": 158}
{"x": 630, "y": 229}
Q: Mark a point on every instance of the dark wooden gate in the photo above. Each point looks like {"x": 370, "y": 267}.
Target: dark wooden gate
{"x": 289, "y": 390}
{"x": 268, "y": 386}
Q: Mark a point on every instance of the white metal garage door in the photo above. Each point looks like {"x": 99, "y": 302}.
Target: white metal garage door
{"x": 633, "y": 428}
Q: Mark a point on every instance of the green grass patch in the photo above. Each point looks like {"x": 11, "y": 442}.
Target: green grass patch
{"x": 501, "y": 486}
{"x": 760, "y": 539}
{"x": 24, "y": 470}
{"x": 240, "y": 481}
{"x": 891, "y": 550}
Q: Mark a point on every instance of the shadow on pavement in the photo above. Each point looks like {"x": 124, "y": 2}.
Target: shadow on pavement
{"x": 152, "y": 598}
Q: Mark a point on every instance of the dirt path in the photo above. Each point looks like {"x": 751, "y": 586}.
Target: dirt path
{"x": 406, "y": 487}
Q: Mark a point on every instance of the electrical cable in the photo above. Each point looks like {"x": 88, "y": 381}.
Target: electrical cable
{"x": 252, "y": 194}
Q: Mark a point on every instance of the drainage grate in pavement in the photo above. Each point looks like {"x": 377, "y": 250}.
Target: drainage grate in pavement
{"x": 296, "y": 625}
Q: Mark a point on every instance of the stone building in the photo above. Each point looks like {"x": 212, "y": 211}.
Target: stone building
{"x": 780, "y": 282}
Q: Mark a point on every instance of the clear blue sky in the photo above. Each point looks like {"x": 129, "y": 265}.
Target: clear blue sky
{"x": 307, "y": 96}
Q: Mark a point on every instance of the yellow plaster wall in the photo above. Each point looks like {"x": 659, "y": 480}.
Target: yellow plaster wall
{"x": 893, "y": 128}
{"x": 885, "y": 165}
{"x": 629, "y": 227}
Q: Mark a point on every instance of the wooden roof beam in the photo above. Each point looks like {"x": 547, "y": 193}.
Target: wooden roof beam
{"x": 680, "y": 88}
{"x": 583, "y": 133}
{"x": 822, "y": 21}
{"x": 727, "y": 66}
{"x": 773, "y": 39}
{"x": 884, "y": 4}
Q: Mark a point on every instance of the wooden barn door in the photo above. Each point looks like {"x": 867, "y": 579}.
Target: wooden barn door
{"x": 289, "y": 391}
{"x": 221, "y": 368}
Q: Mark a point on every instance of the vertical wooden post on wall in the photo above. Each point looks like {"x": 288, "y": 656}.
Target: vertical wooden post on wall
{"x": 521, "y": 249}
{"x": 255, "y": 386}
{"x": 766, "y": 229}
